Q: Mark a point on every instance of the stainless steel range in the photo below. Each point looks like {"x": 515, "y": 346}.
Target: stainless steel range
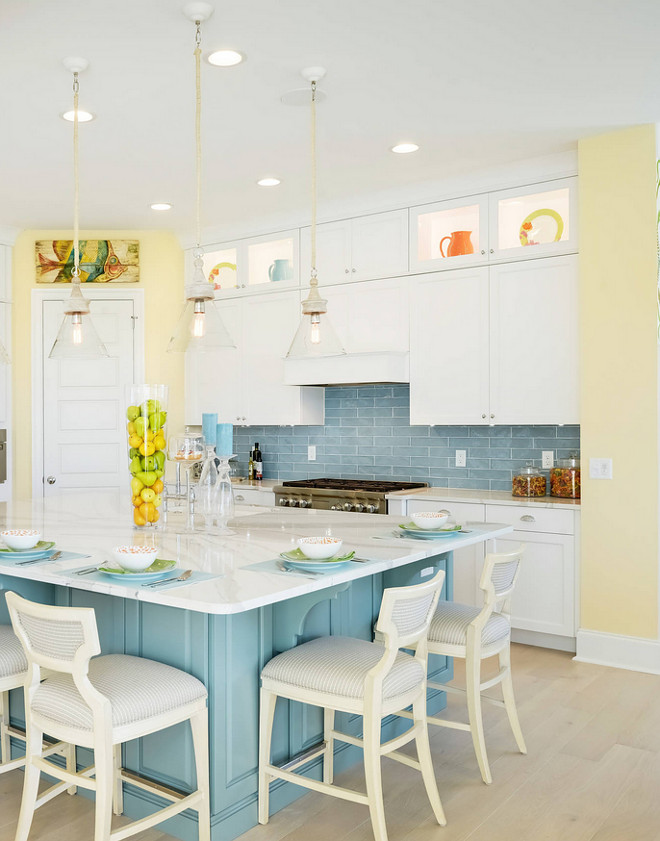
{"x": 340, "y": 494}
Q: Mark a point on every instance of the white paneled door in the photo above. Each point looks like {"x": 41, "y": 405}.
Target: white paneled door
{"x": 84, "y": 423}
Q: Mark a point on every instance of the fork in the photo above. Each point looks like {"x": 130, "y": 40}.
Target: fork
{"x": 52, "y": 557}
{"x": 287, "y": 569}
{"x": 185, "y": 575}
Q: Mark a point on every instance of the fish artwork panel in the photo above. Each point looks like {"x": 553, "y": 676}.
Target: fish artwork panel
{"x": 100, "y": 260}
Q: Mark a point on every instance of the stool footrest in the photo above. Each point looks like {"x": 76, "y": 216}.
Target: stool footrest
{"x": 158, "y": 817}
{"x": 337, "y": 791}
{"x": 146, "y": 784}
{"x": 443, "y": 722}
{"x": 404, "y": 759}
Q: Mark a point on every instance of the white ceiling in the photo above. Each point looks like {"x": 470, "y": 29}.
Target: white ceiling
{"x": 476, "y": 84}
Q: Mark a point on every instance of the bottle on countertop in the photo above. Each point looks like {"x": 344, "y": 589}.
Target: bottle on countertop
{"x": 251, "y": 466}
{"x": 258, "y": 463}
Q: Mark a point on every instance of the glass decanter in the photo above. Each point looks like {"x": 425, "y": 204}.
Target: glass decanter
{"x": 206, "y": 487}
{"x": 223, "y": 501}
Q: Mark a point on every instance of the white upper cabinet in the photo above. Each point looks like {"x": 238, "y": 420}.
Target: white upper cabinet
{"x": 496, "y": 345}
{"x": 258, "y": 264}
{"x": 245, "y": 384}
{"x": 5, "y": 273}
{"x": 449, "y": 234}
{"x": 524, "y": 223}
{"x": 534, "y": 343}
{"x": 449, "y": 348}
{"x": 365, "y": 248}
{"x": 534, "y": 221}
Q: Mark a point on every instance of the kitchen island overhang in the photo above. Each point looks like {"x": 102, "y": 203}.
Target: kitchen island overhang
{"x": 223, "y": 630}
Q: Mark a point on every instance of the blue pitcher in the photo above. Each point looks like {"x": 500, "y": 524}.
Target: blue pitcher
{"x": 280, "y": 270}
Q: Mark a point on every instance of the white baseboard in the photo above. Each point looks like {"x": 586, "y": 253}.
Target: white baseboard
{"x": 559, "y": 643}
{"x": 636, "y": 654}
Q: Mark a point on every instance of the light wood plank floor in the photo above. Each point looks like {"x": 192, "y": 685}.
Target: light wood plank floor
{"x": 592, "y": 772}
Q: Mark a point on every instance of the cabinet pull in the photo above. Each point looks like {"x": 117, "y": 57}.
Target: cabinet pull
{"x": 444, "y": 511}
{"x": 527, "y": 518}
{"x": 239, "y": 498}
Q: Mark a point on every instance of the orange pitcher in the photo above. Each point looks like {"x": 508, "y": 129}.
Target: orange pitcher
{"x": 459, "y": 243}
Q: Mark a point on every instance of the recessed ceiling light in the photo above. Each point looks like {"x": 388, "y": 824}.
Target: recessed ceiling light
{"x": 405, "y": 148}
{"x": 83, "y": 116}
{"x": 161, "y": 205}
{"x": 268, "y": 182}
{"x": 225, "y": 58}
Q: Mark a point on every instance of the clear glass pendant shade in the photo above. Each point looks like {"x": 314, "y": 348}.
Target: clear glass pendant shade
{"x": 315, "y": 337}
{"x": 200, "y": 327}
{"x": 77, "y": 338}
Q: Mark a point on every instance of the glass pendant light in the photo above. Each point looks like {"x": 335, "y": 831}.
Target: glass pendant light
{"x": 200, "y": 327}
{"x": 315, "y": 335}
{"x": 77, "y": 336}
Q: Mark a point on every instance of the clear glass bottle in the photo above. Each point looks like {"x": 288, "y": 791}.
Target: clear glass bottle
{"x": 528, "y": 482}
{"x": 206, "y": 487}
{"x": 223, "y": 498}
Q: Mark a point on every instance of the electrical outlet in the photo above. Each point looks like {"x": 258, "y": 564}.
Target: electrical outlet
{"x": 311, "y": 452}
{"x": 461, "y": 456}
{"x": 547, "y": 459}
{"x": 600, "y": 468}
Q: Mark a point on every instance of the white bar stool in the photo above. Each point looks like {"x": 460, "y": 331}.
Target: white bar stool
{"x": 371, "y": 679}
{"x": 459, "y": 630}
{"x": 13, "y": 672}
{"x": 99, "y": 704}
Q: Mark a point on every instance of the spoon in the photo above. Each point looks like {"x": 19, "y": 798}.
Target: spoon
{"x": 52, "y": 557}
{"x": 185, "y": 575}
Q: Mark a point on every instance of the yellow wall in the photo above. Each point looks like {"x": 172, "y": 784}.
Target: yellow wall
{"x": 619, "y": 417}
{"x": 161, "y": 277}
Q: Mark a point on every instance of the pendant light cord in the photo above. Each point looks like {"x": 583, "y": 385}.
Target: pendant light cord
{"x": 76, "y": 186}
{"x": 314, "y": 280}
{"x": 198, "y": 127}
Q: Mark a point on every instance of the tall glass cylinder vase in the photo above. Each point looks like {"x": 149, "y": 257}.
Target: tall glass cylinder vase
{"x": 146, "y": 416}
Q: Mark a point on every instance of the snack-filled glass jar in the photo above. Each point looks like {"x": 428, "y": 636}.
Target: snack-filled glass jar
{"x": 565, "y": 478}
{"x": 528, "y": 482}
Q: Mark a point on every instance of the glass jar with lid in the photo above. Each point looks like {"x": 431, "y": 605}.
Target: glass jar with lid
{"x": 565, "y": 478}
{"x": 528, "y": 482}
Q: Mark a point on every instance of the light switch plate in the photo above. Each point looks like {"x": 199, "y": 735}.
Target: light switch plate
{"x": 547, "y": 459}
{"x": 600, "y": 468}
{"x": 311, "y": 452}
{"x": 461, "y": 457}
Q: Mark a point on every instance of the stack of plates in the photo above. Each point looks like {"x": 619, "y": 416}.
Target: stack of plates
{"x": 297, "y": 560}
{"x": 44, "y": 549}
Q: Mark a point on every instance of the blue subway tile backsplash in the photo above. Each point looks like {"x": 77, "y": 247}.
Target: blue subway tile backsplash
{"x": 367, "y": 435}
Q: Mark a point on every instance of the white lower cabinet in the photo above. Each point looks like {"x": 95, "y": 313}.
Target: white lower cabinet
{"x": 543, "y": 608}
{"x": 245, "y": 384}
{"x": 253, "y": 496}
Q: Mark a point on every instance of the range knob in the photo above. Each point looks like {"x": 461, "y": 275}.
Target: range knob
{"x": 372, "y": 509}
{"x": 359, "y": 506}
{"x": 292, "y": 503}
{"x": 348, "y": 506}
{"x": 283, "y": 502}
{"x": 304, "y": 503}
{"x": 335, "y": 507}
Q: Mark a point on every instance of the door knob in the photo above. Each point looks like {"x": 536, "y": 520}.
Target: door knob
{"x": 51, "y": 480}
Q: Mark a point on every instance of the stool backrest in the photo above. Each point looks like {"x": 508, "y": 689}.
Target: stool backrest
{"x": 62, "y": 639}
{"x": 498, "y": 579}
{"x": 403, "y": 622}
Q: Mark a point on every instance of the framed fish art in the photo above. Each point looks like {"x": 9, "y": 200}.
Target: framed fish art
{"x": 101, "y": 260}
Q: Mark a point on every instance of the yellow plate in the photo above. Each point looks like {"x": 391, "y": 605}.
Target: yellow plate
{"x": 526, "y": 231}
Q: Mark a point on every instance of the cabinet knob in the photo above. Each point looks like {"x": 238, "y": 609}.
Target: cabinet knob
{"x": 527, "y": 518}
{"x": 492, "y": 416}
{"x": 353, "y": 270}
{"x": 492, "y": 250}
{"x": 346, "y": 271}
{"x": 483, "y": 250}
{"x": 484, "y": 415}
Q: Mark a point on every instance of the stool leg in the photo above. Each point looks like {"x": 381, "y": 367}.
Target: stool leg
{"x": 199, "y": 724}
{"x": 30, "y": 783}
{"x": 372, "y": 774}
{"x": 104, "y": 767}
{"x": 5, "y": 749}
{"x": 117, "y": 784}
{"x": 329, "y": 755}
{"x": 70, "y": 755}
{"x": 424, "y": 755}
{"x": 266, "y": 716}
{"x": 509, "y": 700}
{"x": 473, "y": 690}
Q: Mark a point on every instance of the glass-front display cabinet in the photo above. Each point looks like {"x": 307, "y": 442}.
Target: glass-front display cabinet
{"x": 449, "y": 234}
{"x": 534, "y": 221}
{"x": 250, "y": 265}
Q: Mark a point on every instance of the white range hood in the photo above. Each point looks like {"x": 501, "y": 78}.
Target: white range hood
{"x": 349, "y": 369}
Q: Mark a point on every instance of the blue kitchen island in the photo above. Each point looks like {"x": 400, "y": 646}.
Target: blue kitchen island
{"x": 236, "y": 612}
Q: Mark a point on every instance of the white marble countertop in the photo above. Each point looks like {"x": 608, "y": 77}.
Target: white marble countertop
{"x": 484, "y": 497}
{"x": 239, "y": 482}
{"x": 94, "y": 522}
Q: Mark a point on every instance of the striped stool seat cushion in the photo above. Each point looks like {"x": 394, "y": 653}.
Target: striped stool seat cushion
{"x": 12, "y": 658}
{"x": 137, "y": 688}
{"x": 451, "y": 620}
{"x": 339, "y": 666}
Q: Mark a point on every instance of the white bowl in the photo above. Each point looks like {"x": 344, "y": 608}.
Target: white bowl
{"x": 429, "y": 519}
{"x": 135, "y": 558}
{"x": 20, "y": 539}
{"x": 318, "y": 548}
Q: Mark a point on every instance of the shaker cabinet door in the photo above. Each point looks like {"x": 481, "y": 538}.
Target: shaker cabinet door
{"x": 333, "y": 253}
{"x": 380, "y": 245}
{"x": 534, "y": 342}
{"x": 449, "y": 348}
